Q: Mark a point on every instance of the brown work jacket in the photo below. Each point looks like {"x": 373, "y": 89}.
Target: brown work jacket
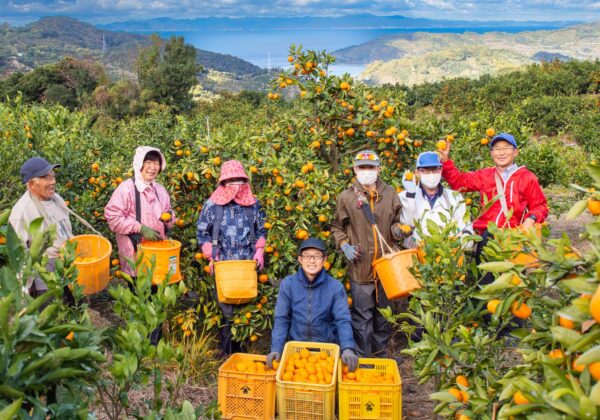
{"x": 351, "y": 225}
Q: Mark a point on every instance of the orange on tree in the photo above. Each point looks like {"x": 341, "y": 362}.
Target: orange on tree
{"x": 484, "y": 141}
{"x": 595, "y": 305}
{"x": 520, "y": 310}
{"x": 462, "y": 380}
{"x": 165, "y": 216}
{"x": 490, "y": 132}
{"x": 519, "y": 398}
{"x": 114, "y": 261}
{"x": 566, "y": 322}
{"x": 593, "y": 206}
{"x": 556, "y": 354}
{"x": 95, "y": 166}
{"x": 455, "y": 393}
{"x": 492, "y": 305}
{"x": 263, "y": 278}
{"x": 576, "y": 366}
{"x": 594, "y": 370}
{"x": 441, "y": 145}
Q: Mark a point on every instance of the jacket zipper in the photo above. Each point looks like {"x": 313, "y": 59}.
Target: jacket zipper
{"x": 309, "y": 313}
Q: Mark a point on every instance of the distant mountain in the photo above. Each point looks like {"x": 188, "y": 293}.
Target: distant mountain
{"x": 52, "y": 38}
{"x": 422, "y": 56}
{"x": 314, "y": 22}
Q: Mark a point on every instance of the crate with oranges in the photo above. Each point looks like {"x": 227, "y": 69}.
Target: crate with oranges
{"x": 372, "y": 391}
{"x": 306, "y": 380}
{"x": 246, "y": 387}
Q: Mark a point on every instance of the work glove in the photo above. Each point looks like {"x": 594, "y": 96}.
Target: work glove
{"x": 259, "y": 257}
{"x": 149, "y": 234}
{"x": 272, "y": 356}
{"x": 207, "y": 250}
{"x": 351, "y": 252}
{"x": 350, "y": 359}
{"x": 400, "y": 231}
{"x": 409, "y": 186}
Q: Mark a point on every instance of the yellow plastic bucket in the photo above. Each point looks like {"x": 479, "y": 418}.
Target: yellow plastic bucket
{"x": 166, "y": 254}
{"x": 236, "y": 281}
{"x": 392, "y": 270}
{"x": 93, "y": 262}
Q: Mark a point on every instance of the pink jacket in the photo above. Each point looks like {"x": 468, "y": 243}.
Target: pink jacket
{"x": 120, "y": 213}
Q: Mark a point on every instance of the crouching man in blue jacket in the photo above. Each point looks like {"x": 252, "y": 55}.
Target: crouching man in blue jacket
{"x": 312, "y": 306}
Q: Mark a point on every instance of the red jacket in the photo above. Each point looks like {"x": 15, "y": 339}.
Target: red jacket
{"x": 524, "y": 195}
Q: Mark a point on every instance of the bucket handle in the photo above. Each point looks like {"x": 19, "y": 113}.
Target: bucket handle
{"x": 383, "y": 242}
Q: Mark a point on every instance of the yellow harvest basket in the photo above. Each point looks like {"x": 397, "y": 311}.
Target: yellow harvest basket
{"x": 306, "y": 401}
{"x": 243, "y": 395}
{"x": 371, "y": 401}
{"x": 93, "y": 262}
{"x": 237, "y": 281}
{"x": 393, "y": 271}
{"x": 166, "y": 254}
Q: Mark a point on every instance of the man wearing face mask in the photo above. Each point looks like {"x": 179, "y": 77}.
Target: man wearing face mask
{"x": 429, "y": 200}
{"x": 357, "y": 238}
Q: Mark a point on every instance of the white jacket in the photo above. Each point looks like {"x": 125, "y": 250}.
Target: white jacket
{"x": 416, "y": 208}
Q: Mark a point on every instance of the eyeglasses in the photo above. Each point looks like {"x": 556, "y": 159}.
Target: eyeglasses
{"x": 502, "y": 149}
{"x": 312, "y": 257}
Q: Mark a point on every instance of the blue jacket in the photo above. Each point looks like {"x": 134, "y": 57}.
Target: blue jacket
{"x": 316, "y": 311}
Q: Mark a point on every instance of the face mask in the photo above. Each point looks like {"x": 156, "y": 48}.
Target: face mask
{"x": 431, "y": 180}
{"x": 366, "y": 177}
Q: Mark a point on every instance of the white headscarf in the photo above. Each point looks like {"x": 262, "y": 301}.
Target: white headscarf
{"x": 138, "y": 163}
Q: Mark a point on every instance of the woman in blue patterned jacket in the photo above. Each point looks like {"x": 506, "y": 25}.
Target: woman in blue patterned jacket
{"x": 231, "y": 227}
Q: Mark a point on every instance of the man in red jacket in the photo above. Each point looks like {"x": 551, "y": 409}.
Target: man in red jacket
{"x": 518, "y": 199}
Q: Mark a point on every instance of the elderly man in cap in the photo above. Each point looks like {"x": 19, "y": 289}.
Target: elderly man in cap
{"x": 521, "y": 200}
{"x": 41, "y": 200}
{"x": 427, "y": 199}
{"x": 311, "y": 306}
{"x": 367, "y": 209}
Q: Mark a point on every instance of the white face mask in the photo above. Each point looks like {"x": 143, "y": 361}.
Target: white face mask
{"x": 431, "y": 180}
{"x": 366, "y": 177}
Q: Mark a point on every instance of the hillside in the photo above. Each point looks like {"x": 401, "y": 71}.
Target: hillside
{"x": 429, "y": 57}
{"x": 51, "y": 38}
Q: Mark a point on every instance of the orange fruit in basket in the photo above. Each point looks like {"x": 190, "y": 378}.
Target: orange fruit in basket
{"x": 304, "y": 353}
{"x": 240, "y": 366}
{"x": 287, "y": 376}
{"x": 275, "y": 364}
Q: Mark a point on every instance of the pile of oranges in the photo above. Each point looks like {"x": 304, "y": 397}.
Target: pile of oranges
{"x": 367, "y": 376}
{"x": 252, "y": 367}
{"x": 304, "y": 366}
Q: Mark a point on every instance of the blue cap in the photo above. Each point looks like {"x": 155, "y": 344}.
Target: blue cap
{"x": 312, "y": 243}
{"x": 506, "y": 137}
{"x": 35, "y": 167}
{"x": 428, "y": 160}
{"x": 366, "y": 157}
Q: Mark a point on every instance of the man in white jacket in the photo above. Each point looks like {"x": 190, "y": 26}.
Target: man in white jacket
{"x": 428, "y": 200}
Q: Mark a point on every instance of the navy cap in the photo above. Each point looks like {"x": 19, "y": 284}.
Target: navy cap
{"x": 506, "y": 137}
{"x": 428, "y": 160}
{"x": 312, "y": 243}
{"x": 35, "y": 167}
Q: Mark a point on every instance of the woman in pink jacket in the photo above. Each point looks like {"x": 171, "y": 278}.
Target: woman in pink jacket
{"x": 131, "y": 223}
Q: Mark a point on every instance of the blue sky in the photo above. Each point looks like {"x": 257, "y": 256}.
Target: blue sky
{"x": 104, "y": 11}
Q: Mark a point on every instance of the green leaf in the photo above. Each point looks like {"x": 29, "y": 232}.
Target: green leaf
{"x": 577, "y": 209}
{"x": 496, "y": 266}
{"x": 565, "y": 336}
{"x": 590, "y": 356}
{"x": 11, "y": 411}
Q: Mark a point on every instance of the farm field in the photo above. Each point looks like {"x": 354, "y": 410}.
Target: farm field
{"x": 297, "y": 142}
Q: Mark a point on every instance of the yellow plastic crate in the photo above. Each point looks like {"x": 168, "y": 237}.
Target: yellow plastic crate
{"x": 371, "y": 401}
{"x": 245, "y": 395}
{"x": 306, "y": 401}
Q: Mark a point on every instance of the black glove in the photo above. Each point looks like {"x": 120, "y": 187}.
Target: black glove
{"x": 350, "y": 359}
{"x": 272, "y": 356}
